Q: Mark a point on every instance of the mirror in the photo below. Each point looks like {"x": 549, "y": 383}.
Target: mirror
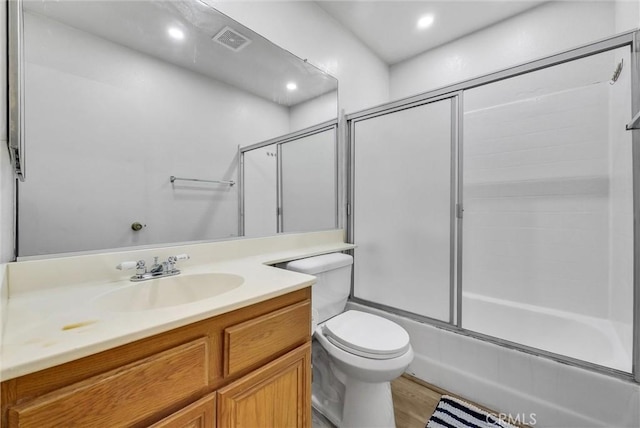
{"x": 120, "y": 96}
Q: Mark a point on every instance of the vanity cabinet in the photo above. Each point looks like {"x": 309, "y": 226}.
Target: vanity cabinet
{"x": 248, "y": 367}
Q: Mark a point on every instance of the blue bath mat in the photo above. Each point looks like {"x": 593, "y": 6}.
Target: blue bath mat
{"x": 452, "y": 412}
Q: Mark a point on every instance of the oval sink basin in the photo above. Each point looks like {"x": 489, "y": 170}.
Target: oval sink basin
{"x": 167, "y": 292}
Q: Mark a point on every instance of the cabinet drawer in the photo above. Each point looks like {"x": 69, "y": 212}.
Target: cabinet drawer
{"x": 124, "y": 396}
{"x": 261, "y": 339}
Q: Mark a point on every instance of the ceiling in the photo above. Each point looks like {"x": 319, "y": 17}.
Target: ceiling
{"x": 261, "y": 67}
{"x": 389, "y": 29}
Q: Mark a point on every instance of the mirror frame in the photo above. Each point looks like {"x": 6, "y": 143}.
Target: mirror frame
{"x": 15, "y": 77}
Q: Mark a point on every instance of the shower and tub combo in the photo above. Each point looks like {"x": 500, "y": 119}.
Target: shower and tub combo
{"x": 503, "y": 211}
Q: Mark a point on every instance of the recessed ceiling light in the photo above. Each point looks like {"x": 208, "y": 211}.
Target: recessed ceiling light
{"x": 176, "y": 33}
{"x": 425, "y": 22}
{"x": 292, "y": 86}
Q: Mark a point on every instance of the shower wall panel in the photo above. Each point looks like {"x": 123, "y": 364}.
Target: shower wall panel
{"x": 536, "y": 200}
{"x": 402, "y": 209}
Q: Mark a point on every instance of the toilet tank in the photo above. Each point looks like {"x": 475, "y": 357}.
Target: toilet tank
{"x": 333, "y": 285}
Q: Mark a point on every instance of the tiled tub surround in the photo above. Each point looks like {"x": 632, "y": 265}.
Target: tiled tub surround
{"x": 43, "y": 297}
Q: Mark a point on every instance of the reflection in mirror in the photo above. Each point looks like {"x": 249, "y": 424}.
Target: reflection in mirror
{"x": 289, "y": 184}
{"x": 259, "y": 190}
{"x": 120, "y": 96}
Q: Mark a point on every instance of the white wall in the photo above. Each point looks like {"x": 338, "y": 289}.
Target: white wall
{"x": 539, "y": 32}
{"x": 128, "y": 135}
{"x": 309, "y": 32}
{"x": 7, "y": 180}
{"x": 627, "y": 15}
{"x": 314, "y": 111}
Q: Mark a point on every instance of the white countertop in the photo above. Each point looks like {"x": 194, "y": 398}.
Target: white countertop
{"x": 47, "y": 321}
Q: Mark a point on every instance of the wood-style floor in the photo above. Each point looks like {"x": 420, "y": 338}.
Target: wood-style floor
{"x": 413, "y": 402}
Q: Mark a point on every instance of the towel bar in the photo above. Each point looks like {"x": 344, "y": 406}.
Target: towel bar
{"x": 174, "y": 178}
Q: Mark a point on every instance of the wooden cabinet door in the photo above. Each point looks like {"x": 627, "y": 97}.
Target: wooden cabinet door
{"x": 277, "y": 395}
{"x": 201, "y": 414}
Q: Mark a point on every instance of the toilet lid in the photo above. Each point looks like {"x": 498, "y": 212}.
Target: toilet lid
{"x": 367, "y": 335}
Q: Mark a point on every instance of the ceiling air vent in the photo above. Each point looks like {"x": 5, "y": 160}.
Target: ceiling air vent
{"x": 231, "y": 39}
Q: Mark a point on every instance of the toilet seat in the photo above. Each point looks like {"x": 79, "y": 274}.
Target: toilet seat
{"x": 366, "y": 335}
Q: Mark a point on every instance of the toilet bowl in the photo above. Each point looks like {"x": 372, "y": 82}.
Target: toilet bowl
{"x": 355, "y": 354}
{"x": 364, "y": 350}
{"x": 365, "y": 363}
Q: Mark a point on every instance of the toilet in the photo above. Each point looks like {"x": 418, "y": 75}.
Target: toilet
{"x": 355, "y": 354}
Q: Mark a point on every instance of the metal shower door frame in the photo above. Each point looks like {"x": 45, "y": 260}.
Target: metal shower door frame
{"x": 278, "y": 142}
{"x": 382, "y": 110}
{"x": 456, "y": 92}
{"x": 635, "y": 153}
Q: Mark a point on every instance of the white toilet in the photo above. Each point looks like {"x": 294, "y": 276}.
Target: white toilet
{"x": 355, "y": 354}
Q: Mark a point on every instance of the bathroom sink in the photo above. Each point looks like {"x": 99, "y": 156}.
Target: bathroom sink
{"x": 168, "y": 292}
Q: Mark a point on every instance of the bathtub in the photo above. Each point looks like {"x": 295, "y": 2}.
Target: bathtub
{"x": 533, "y": 389}
{"x": 596, "y": 340}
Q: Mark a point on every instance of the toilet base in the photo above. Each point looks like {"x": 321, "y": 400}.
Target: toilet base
{"x": 367, "y": 405}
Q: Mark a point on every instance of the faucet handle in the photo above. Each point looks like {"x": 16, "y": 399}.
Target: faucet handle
{"x": 173, "y": 259}
{"x": 139, "y": 265}
{"x": 129, "y": 265}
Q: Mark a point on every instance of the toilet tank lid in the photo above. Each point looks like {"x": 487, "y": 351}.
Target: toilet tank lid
{"x": 317, "y": 264}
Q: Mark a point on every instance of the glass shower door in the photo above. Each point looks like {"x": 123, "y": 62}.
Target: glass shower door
{"x": 547, "y": 254}
{"x": 402, "y": 208}
{"x": 259, "y": 183}
{"x": 308, "y": 168}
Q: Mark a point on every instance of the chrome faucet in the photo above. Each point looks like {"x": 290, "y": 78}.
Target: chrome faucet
{"x": 157, "y": 270}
